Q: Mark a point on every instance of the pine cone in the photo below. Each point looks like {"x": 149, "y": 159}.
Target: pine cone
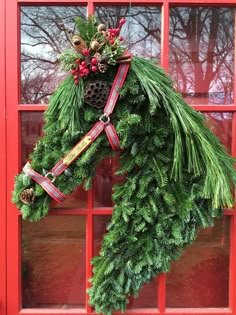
{"x": 102, "y": 67}
{"x": 78, "y": 43}
{"x": 27, "y": 196}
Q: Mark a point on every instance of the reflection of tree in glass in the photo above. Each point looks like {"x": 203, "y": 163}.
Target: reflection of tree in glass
{"x": 142, "y": 30}
{"x": 221, "y": 125}
{"x": 43, "y": 37}
{"x": 201, "y": 52}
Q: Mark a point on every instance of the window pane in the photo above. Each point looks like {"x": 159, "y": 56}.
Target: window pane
{"x": 201, "y": 53}
{"x": 221, "y": 125}
{"x": 31, "y": 129}
{"x": 43, "y": 37}
{"x": 147, "y": 297}
{"x": 103, "y": 184}
{"x": 142, "y": 29}
{"x": 53, "y": 262}
{"x": 201, "y": 276}
{"x": 104, "y": 181}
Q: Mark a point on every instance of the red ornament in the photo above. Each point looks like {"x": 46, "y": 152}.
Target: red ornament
{"x": 122, "y": 21}
{"x": 94, "y": 68}
{"x": 94, "y": 61}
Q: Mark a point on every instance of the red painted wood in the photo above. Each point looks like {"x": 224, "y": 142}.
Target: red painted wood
{"x": 90, "y": 7}
{"x": 165, "y": 36}
{"x": 215, "y": 108}
{"x": 162, "y": 292}
{"x": 89, "y": 255}
{"x": 133, "y": 312}
{"x": 3, "y": 264}
{"x": 32, "y": 107}
{"x": 13, "y": 226}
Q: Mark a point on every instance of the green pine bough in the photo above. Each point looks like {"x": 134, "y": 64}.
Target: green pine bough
{"x": 178, "y": 177}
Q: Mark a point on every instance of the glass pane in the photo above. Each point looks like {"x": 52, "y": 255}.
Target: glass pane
{"x": 201, "y": 276}
{"x": 103, "y": 184}
{"x": 31, "y": 130}
{"x": 147, "y": 297}
{"x": 77, "y": 199}
{"x": 202, "y": 52}
{"x": 142, "y": 30}
{"x": 99, "y": 229}
{"x": 53, "y": 262}
{"x": 221, "y": 125}
{"x": 104, "y": 181}
{"x": 43, "y": 36}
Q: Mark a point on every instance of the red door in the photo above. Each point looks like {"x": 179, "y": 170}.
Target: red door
{"x": 2, "y": 166}
{"x": 48, "y": 263}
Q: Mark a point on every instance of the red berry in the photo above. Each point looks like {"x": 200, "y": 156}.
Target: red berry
{"x": 83, "y": 63}
{"x": 122, "y": 21}
{"x": 121, "y": 38}
{"x": 77, "y": 61}
{"x": 81, "y": 68}
{"x": 81, "y": 74}
{"x": 73, "y": 72}
{"x": 117, "y": 31}
{"x": 85, "y": 52}
{"x": 94, "y": 68}
{"x": 94, "y": 61}
{"x": 76, "y": 77}
{"x": 76, "y": 82}
{"x": 111, "y": 41}
{"x": 86, "y": 72}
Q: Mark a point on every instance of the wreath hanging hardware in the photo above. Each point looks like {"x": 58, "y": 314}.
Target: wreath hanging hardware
{"x": 178, "y": 177}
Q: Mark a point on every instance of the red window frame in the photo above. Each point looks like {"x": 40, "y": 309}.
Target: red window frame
{"x": 2, "y": 165}
{"x": 12, "y": 274}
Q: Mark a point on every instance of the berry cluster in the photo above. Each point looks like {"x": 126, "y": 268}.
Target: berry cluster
{"x": 113, "y": 33}
{"x": 90, "y": 62}
{"x": 83, "y": 69}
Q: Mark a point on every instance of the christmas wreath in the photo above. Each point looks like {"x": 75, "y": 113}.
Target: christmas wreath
{"x": 177, "y": 176}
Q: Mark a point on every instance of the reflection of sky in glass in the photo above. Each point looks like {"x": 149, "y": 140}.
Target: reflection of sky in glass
{"x": 43, "y": 37}
{"x": 142, "y": 29}
{"x": 201, "y": 53}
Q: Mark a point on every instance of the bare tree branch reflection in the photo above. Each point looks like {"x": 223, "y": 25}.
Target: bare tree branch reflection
{"x": 201, "y": 53}
{"x": 43, "y": 37}
{"x": 142, "y": 30}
